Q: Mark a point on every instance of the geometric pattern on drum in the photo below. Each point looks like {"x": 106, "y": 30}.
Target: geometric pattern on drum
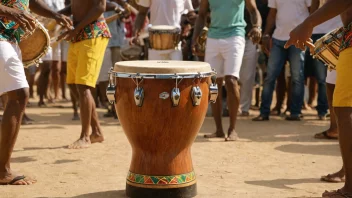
{"x": 161, "y": 180}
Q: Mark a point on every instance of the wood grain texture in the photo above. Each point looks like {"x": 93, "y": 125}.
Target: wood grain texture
{"x": 161, "y": 136}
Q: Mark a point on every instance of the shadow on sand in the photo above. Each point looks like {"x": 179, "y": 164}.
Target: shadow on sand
{"x": 106, "y": 194}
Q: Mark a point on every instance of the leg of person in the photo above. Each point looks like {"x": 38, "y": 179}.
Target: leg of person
{"x": 16, "y": 87}
{"x": 64, "y": 51}
{"x": 43, "y": 81}
{"x": 74, "y": 99}
{"x": 320, "y": 73}
{"x": 72, "y": 62}
{"x": 278, "y": 56}
{"x": 280, "y": 93}
{"x": 63, "y": 72}
{"x": 342, "y": 102}
{"x": 313, "y": 90}
{"x": 89, "y": 62}
{"x": 332, "y": 132}
{"x": 247, "y": 76}
{"x": 232, "y": 50}
{"x": 213, "y": 57}
{"x": 56, "y": 70}
{"x": 296, "y": 59}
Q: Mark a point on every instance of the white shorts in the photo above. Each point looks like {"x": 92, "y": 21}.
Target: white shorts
{"x": 225, "y": 55}
{"x": 165, "y": 54}
{"x": 54, "y": 54}
{"x": 12, "y": 75}
{"x": 331, "y": 77}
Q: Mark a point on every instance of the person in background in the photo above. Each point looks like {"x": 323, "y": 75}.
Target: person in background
{"x": 224, "y": 51}
{"x": 285, "y": 19}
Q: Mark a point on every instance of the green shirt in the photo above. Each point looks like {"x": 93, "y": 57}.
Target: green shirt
{"x": 227, "y": 18}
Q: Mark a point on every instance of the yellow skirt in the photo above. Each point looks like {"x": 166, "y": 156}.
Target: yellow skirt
{"x": 343, "y": 88}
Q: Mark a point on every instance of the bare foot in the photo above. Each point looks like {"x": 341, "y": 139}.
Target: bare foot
{"x": 217, "y": 134}
{"x": 335, "y": 177}
{"x": 15, "y": 179}
{"x": 76, "y": 116}
{"x": 328, "y": 134}
{"x": 94, "y": 138}
{"x": 80, "y": 143}
{"x": 337, "y": 194}
{"x": 232, "y": 136}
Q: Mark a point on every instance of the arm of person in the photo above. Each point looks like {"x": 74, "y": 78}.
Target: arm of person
{"x": 24, "y": 19}
{"x": 93, "y": 14}
{"x": 140, "y": 19}
{"x": 315, "y": 6}
{"x": 255, "y": 33}
{"x": 111, "y": 6}
{"x": 40, "y": 8}
{"x": 269, "y": 28}
{"x": 300, "y": 36}
{"x": 200, "y": 22}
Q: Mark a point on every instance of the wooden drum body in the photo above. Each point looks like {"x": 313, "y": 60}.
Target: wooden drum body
{"x": 327, "y": 48}
{"x": 161, "y": 119}
{"x": 164, "y": 37}
{"x": 35, "y": 46}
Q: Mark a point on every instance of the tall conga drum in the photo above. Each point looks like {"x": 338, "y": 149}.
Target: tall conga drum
{"x": 161, "y": 106}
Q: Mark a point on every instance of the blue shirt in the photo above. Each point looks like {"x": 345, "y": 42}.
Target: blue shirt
{"x": 227, "y": 18}
{"x": 117, "y": 30}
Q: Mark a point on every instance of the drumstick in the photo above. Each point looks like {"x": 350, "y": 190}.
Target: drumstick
{"x": 112, "y": 18}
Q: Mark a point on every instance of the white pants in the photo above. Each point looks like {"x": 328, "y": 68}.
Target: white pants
{"x": 165, "y": 54}
{"x": 111, "y": 56}
{"x": 225, "y": 55}
{"x": 12, "y": 74}
{"x": 247, "y": 74}
{"x": 331, "y": 77}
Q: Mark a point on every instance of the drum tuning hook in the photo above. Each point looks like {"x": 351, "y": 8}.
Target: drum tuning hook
{"x": 110, "y": 91}
{"x": 139, "y": 96}
{"x": 196, "y": 95}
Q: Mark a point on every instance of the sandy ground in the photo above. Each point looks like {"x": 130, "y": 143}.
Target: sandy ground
{"x": 272, "y": 159}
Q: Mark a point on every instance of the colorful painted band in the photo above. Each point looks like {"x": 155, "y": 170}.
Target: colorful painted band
{"x": 161, "y": 180}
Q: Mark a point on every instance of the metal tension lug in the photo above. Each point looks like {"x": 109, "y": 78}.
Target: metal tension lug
{"x": 175, "y": 96}
{"x": 196, "y": 95}
{"x": 110, "y": 93}
{"x": 213, "y": 90}
{"x": 139, "y": 96}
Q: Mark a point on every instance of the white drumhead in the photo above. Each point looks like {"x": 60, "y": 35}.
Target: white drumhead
{"x": 163, "y": 27}
{"x": 161, "y": 67}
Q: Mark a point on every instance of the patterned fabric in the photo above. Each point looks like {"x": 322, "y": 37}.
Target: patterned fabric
{"x": 161, "y": 180}
{"x": 94, "y": 30}
{"x": 347, "y": 38}
{"x": 9, "y": 30}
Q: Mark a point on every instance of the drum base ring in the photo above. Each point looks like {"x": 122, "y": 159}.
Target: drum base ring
{"x": 182, "y": 192}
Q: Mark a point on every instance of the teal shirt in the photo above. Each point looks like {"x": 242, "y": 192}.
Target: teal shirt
{"x": 227, "y": 18}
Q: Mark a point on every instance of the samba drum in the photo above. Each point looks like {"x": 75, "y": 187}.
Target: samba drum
{"x": 327, "y": 48}
{"x": 164, "y": 37}
{"x": 35, "y": 46}
{"x": 201, "y": 42}
{"x": 161, "y": 106}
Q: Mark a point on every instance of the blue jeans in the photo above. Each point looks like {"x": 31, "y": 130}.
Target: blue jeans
{"x": 319, "y": 72}
{"x": 277, "y": 59}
